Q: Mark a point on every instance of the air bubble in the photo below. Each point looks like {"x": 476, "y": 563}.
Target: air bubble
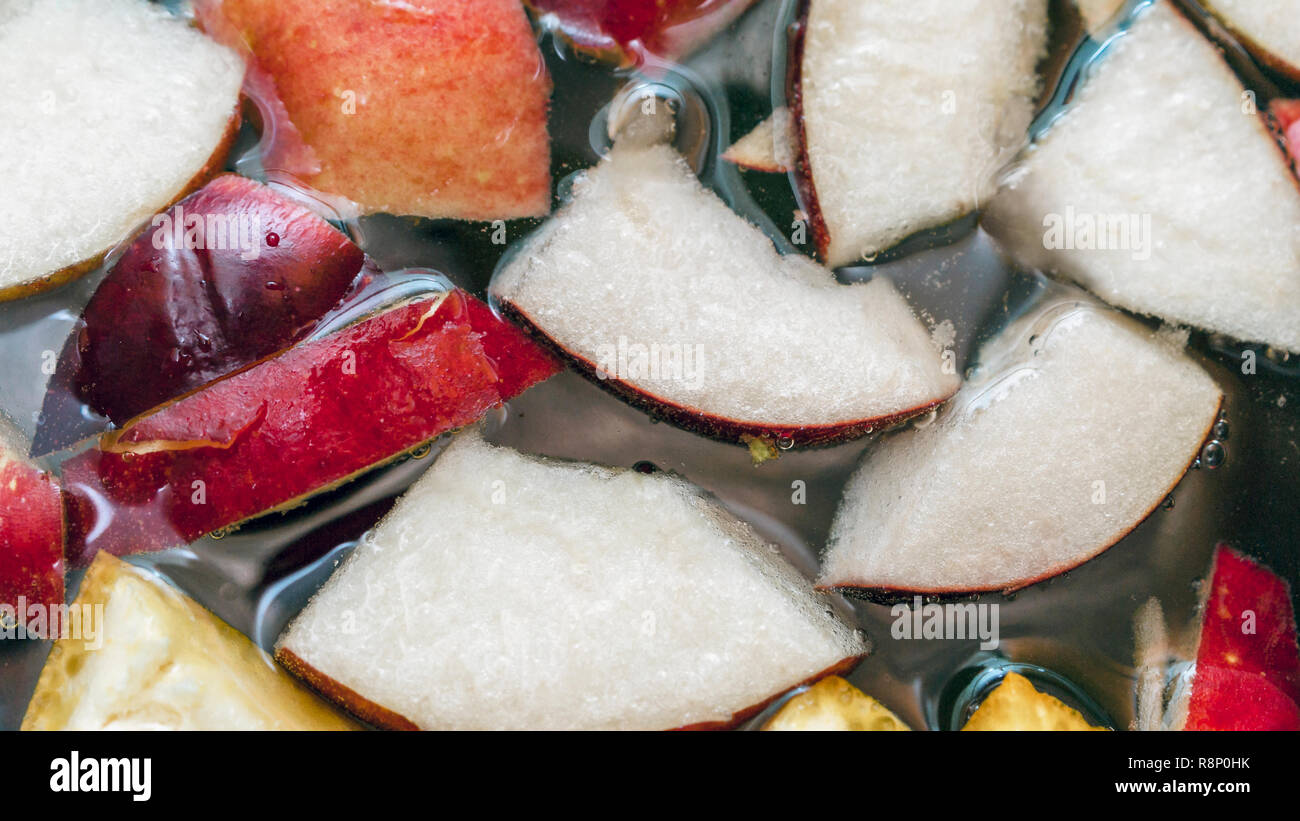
{"x": 785, "y": 442}
{"x": 1213, "y": 454}
{"x": 1221, "y": 429}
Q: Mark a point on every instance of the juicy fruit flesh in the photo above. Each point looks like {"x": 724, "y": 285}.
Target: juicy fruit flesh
{"x": 434, "y": 108}
{"x": 1247, "y": 673}
{"x": 644, "y": 259}
{"x": 111, "y": 107}
{"x": 641, "y": 29}
{"x": 1016, "y": 705}
{"x": 163, "y": 662}
{"x": 31, "y": 532}
{"x": 1140, "y": 207}
{"x": 1002, "y": 489}
{"x": 908, "y": 109}
{"x": 505, "y": 591}
{"x": 169, "y": 320}
{"x": 297, "y": 424}
{"x": 834, "y": 704}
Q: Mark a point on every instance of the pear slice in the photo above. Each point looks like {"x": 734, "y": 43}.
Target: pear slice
{"x": 509, "y": 592}
{"x": 112, "y": 110}
{"x": 769, "y": 147}
{"x": 906, "y": 110}
{"x": 653, "y": 287}
{"x": 834, "y": 704}
{"x": 1015, "y": 705}
{"x": 147, "y": 657}
{"x": 1078, "y": 424}
{"x": 1129, "y": 194}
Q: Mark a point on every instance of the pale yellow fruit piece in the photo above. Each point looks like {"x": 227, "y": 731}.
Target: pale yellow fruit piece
{"x": 834, "y": 704}
{"x": 1016, "y": 705}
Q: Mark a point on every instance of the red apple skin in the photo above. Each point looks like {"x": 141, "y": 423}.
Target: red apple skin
{"x": 1229, "y": 699}
{"x": 295, "y": 425}
{"x": 167, "y": 321}
{"x": 447, "y": 110}
{"x": 31, "y": 533}
{"x": 635, "y": 31}
{"x": 1242, "y": 592}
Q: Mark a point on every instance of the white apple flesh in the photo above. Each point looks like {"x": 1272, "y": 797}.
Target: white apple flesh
{"x": 509, "y": 592}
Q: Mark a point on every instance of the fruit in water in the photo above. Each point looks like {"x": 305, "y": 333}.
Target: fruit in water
{"x": 113, "y": 109}
{"x": 301, "y": 423}
{"x": 232, "y": 274}
{"x": 659, "y": 292}
{"x": 434, "y": 108}
{"x": 834, "y": 704}
{"x": 31, "y": 533}
{"x": 639, "y": 31}
{"x": 149, "y": 657}
{"x": 1016, "y": 705}
{"x": 904, "y": 112}
{"x": 506, "y": 591}
{"x": 1077, "y": 425}
{"x": 1247, "y": 674}
{"x": 1128, "y": 193}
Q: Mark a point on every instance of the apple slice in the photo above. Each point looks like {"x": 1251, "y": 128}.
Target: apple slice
{"x": 1128, "y": 193}
{"x": 301, "y": 423}
{"x": 906, "y": 111}
{"x": 834, "y": 704}
{"x": 638, "y": 31}
{"x": 31, "y": 533}
{"x": 1269, "y": 29}
{"x": 113, "y": 109}
{"x": 150, "y": 658}
{"x": 1247, "y": 674}
{"x": 1016, "y": 705}
{"x": 434, "y": 108}
{"x": 232, "y": 274}
{"x": 769, "y": 147}
{"x": 656, "y": 289}
{"x": 1078, "y": 424}
{"x": 506, "y": 591}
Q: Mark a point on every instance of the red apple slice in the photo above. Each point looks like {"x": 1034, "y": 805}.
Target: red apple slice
{"x": 295, "y": 425}
{"x": 637, "y": 31}
{"x": 769, "y": 147}
{"x": 113, "y": 109}
{"x": 662, "y": 294}
{"x": 1078, "y": 424}
{"x": 906, "y": 111}
{"x": 151, "y": 658}
{"x": 1247, "y": 624}
{"x": 1269, "y": 29}
{"x": 232, "y": 274}
{"x": 1128, "y": 193}
{"x": 435, "y": 108}
{"x": 1226, "y": 699}
{"x": 536, "y": 594}
{"x": 31, "y": 533}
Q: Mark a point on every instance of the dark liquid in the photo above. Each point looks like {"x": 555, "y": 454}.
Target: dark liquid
{"x": 1078, "y": 625}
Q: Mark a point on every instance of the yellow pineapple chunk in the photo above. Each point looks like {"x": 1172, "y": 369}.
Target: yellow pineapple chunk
{"x": 834, "y": 704}
{"x": 1016, "y": 705}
